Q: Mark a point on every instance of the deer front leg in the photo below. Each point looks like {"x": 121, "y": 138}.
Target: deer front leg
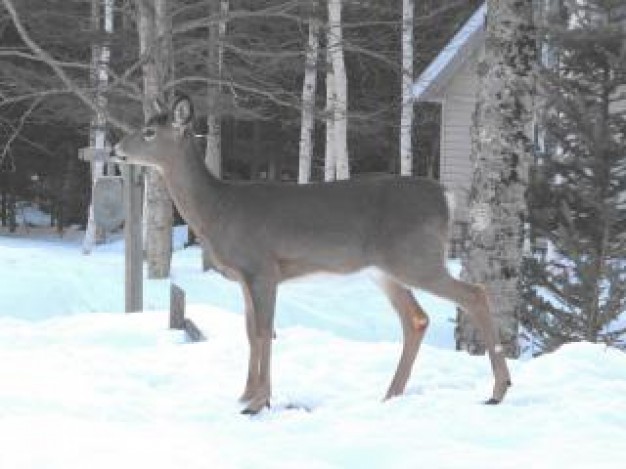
{"x": 252, "y": 382}
{"x": 262, "y": 293}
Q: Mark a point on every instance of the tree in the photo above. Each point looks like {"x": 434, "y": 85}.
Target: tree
{"x": 215, "y": 65}
{"x": 406, "y": 116}
{"x": 576, "y": 289}
{"x": 330, "y": 158}
{"x": 155, "y": 42}
{"x": 501, "y": 152}
{"x": 309, "y": 87}
{"x": 336, "y": 82}
{"x": 101, "y": 19}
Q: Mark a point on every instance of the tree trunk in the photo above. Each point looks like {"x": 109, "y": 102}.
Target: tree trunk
{"x": 101, "y": 56}
{"x": 330, "y": 157}
{"x": 217, "y": 33}
{"x": 215, "y": 64}
{"x": 340, "y": 110}
{"x": 501, "y": 153}
{"x": 3, "y": 197}
{"x": 155, "y": 40}
{"x": 308, "y": 98}
{"x": 406, "y": 117}
{"x": 12, "y": 204}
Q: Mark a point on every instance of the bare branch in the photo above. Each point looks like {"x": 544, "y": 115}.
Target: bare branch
{"x": 35, "y": 94}
{"x": 273, "y": 97}
{"x": 45, "y": 57}
{"x": 275, "y": 12}
{"x": 18, "y": 129}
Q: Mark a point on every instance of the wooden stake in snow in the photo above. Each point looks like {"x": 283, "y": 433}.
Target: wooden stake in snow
{"x": 177, "y": 315}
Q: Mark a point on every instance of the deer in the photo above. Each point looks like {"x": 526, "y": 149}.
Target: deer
{"x": 261, "y": 233}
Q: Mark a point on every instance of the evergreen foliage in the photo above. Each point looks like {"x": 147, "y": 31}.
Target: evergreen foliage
{"x": 576, "y": 289}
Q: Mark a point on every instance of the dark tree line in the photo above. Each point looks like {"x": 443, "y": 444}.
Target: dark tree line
{"x": 47, "y": 100}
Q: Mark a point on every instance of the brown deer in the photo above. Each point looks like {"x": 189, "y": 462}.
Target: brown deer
{"x": 262, "y": 233}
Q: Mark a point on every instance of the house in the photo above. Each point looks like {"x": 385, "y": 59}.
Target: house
{"x": 451, "y": 80}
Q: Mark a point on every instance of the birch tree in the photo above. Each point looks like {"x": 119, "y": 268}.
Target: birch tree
{"x": 339, "y": 94}
{"x": 406, "y": 116}
{"x": 330, "y": 157}
{"x": 501, "y": 153}
{"x": 155, "y": 41}
{"x": 309, "y": 87}
{"x": 101, "y": 20}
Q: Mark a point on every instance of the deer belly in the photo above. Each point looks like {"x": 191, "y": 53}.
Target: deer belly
{"x": 336, "y": 259}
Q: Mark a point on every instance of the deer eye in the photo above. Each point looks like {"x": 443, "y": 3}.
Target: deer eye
{"x": 148, "y": 133}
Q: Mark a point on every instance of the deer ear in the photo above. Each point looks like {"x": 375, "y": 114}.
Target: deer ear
{"x": 182, "y": 111}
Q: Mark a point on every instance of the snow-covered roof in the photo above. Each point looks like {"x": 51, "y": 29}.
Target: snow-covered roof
{"x": 432, "y": 81}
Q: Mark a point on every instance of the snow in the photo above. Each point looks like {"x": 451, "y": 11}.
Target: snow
{"x": 85, "y": 385}
{"x": 29, "y": 215}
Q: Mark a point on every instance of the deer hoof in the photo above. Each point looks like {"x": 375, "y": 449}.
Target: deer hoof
{"x": 248, "y": 411}
{"x": 255, "y": 407}
{"x": 499, "y": 393}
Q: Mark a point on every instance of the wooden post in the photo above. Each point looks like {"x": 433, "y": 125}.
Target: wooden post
{"x": 177, "y": 315}
{"x": 177, "y": 307}
{"x": 133, "y": 195}
{"x": 133, "y": 242}
{"x": 192, "y": 331}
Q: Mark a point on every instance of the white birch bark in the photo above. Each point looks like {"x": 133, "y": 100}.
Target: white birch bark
{"x": 330, "y": 157}
{"x": 100, "y": 60}
{"x": 217, "y": 34}
{"x": 154, "y": 35}
{"x": 308, "y": 100}
{"x": 501, "y": 152}
{"x": 406, "y": 116}
{"x": 340, "y": 111}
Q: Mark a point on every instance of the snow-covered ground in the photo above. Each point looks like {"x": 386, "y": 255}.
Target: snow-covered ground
{"x": 85, "y": 386}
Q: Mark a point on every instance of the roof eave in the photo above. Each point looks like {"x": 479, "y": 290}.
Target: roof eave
{"x": 432, "y": 83}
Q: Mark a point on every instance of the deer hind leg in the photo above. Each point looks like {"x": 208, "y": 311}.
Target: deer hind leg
{"x": 261, "y": 291}
{"x": 414, "y": 323}
{"x": 473, "y": 301}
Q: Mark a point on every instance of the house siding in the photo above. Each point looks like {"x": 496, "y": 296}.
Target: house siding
{"x": 457, "y": 110}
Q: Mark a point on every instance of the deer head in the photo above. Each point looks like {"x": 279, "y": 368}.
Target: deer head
{"x": 161, "y": 140}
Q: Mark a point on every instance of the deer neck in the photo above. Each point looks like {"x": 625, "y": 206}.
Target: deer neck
{"x": 194, "y": 190}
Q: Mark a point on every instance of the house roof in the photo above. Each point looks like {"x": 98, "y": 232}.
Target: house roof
{"x": 432, "y": 82}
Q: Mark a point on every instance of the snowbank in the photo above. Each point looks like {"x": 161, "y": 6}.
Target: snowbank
{"x": 83, "y": 387}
